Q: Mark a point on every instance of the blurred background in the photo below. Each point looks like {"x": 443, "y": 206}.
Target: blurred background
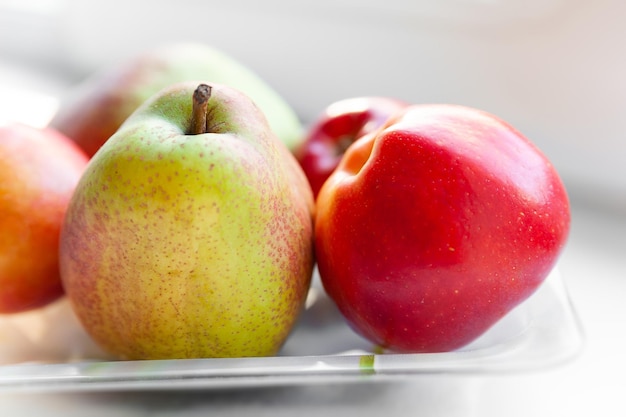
{"x": 552, "y": 68}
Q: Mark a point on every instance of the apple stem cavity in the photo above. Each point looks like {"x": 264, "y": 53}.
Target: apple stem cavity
{"x": 201, "y": 97}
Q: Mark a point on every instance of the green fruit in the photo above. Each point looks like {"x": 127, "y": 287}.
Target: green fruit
{"x": 182, "y": 245}
{"x": 99, "y": 105}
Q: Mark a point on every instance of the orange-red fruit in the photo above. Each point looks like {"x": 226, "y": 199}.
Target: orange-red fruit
{"x": 39, "y": 169}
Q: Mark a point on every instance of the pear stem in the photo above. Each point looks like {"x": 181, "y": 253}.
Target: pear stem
{"x": 201, "y": 97}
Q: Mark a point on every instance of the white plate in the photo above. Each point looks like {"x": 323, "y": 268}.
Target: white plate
{"x": 541, "y": 332}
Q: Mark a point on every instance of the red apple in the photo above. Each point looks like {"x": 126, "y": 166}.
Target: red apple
{"x": 39, "y": 169}
{"x": 436, "y": 226}
{"x": 339, "y": 125}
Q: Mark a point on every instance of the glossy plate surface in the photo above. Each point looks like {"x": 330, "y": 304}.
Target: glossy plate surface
{"x": 49, "y": 352}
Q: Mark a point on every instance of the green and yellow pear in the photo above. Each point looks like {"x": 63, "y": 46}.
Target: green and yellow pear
{"x": 94, "y": 109}
{"x": 190, "y": 233}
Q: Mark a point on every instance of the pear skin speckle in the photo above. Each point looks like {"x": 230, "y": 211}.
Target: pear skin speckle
{"x": 183, "y": 246}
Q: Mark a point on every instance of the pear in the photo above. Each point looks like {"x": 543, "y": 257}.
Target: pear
{"x": 94, "y": 109}
{"x": 190, "y": 233}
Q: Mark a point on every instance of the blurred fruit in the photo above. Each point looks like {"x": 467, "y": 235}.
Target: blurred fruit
{"x": 99, "y": 105}
{"x": 39, "y": 169}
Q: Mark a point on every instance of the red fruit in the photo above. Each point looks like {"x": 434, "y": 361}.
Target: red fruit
{"x": 341, "y": 123}
{"x": 436, "y": 226}
{"x": 39, "y": 169}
